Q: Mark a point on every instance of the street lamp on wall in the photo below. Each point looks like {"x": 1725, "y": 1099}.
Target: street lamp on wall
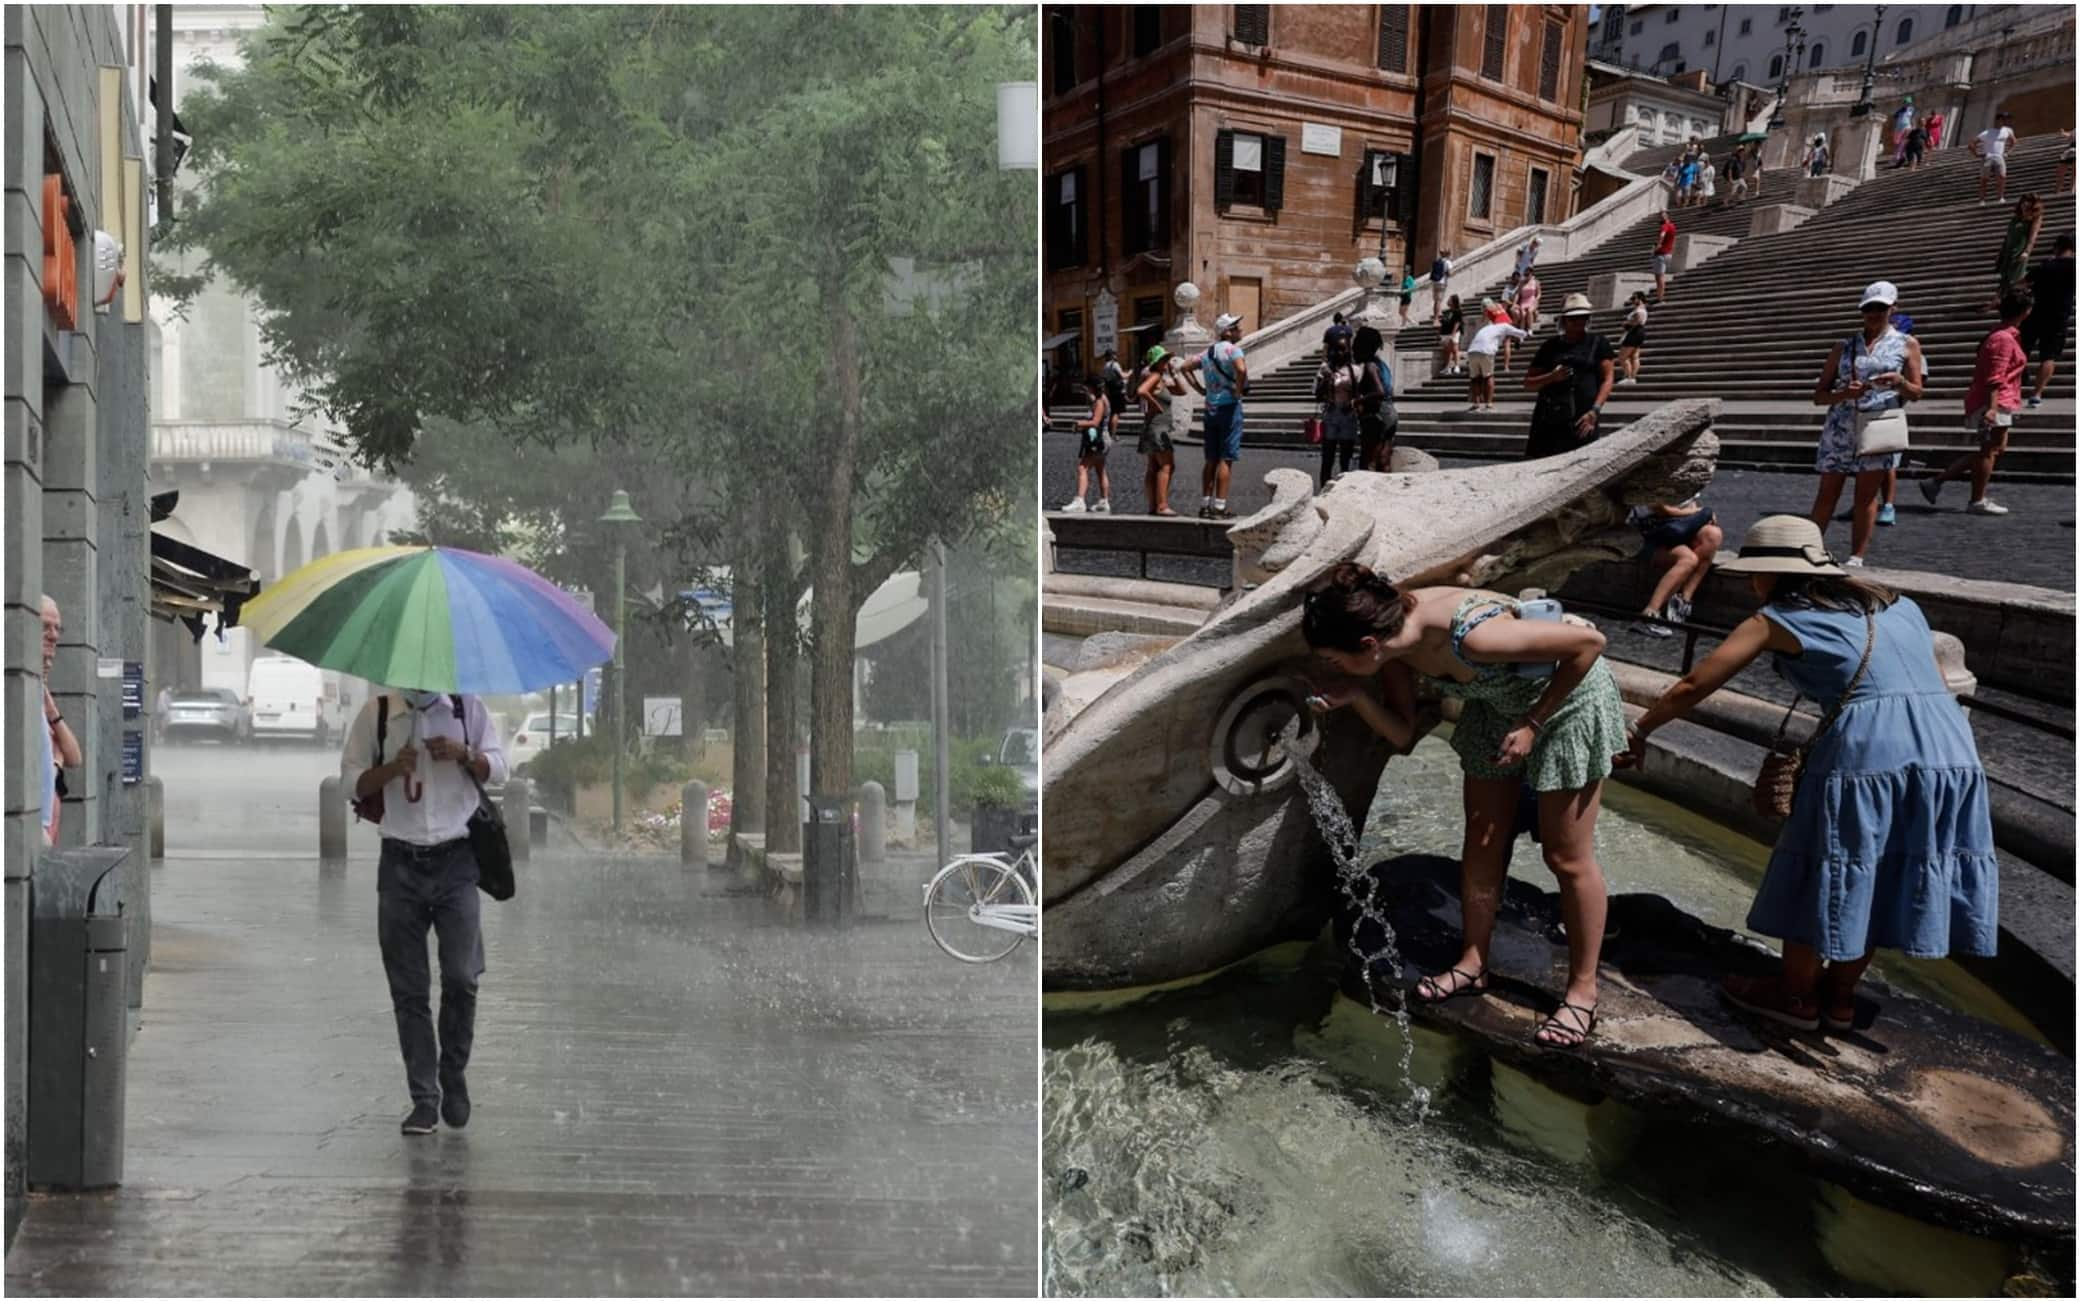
{"x": 1868, "y": 103}
{"x": 1386, "y": 173}
{"x": 619, "y": 518}
{"x": 1794, "y": 46}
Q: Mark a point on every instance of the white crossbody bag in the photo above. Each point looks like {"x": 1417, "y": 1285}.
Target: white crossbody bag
{"x": 1878, "y": 433}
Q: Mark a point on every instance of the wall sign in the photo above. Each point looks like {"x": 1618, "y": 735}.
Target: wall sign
{"x": 1316, "y": 138}
{"x": 133, "y": 688}
{"x": 133, "y": 758}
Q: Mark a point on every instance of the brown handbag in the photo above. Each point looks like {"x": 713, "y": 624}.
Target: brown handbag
{"x": 1776, "y": 784}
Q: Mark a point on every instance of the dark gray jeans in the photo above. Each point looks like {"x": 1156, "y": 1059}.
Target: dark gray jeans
{"x": 414, "y": 890}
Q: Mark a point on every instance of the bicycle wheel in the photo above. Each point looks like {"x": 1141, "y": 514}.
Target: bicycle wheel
{"x": 959, "y": 887}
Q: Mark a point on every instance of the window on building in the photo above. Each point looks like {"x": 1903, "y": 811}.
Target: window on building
{"x": 1819, "y": 53}
{"x": 1858, "y": 43}
{"x": 1672, "y": 16}
{"x": 1637, "y": 28}
{"x": 1067, "y": 233}
{"x": 1061, "y": 34}
{"x": 1953, "y": 17}
{"x": 1535, "y": 196}
{"x": 1776, "y": 66}
{"x": 1148, "y": 311}
{"x": 1393, "y": 38}
{"x": 1549, "y": 62}
{"x": 1670, "y": 53}
{"x": 1144, "y": 187}
{"x": 1253, "y": 24}
{"x": 1740, "y": 71}
{"x": 1821, "y": 9}
{"x": 1249, "y": 170}
{"x": 1070, "y": 321}
{"x": 1747, "y": 25}
{"x": 1148, "y": 29}
{"x": 1905, "y": 33}
{"x": 1480, "y": 199}
{"x": 1495, "y": 42}
{"x": 1783, "y": 14}
{"x": 1710, "y": 37}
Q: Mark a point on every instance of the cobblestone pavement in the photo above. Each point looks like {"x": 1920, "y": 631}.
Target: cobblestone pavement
{"x": 2033, "y": 545}
{"x": 674, "y": 1092}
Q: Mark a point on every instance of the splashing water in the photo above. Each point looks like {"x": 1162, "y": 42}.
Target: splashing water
{"x": 1342, "y": 838}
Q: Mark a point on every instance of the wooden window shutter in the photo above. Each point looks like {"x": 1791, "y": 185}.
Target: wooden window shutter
{"x": 1368, "y": 198}
{"x": 1405, "y": 179}
{"x": 1079, "y": 233}
{"x": 1549, "y": 63}
{"x": 1056, "y": 241}
{"x": 1495, "y": 42}
{"x": 1253, "y": 24}
{"x": 1393, "y": 38}
{"x": 1160, "y": 236}
{"x": 1133, "y": 233}
{"x": 1224, "y": 169}
{"x": 1274, "y": 173}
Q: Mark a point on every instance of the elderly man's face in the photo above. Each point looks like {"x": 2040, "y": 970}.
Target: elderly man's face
{"x": 53, "y": 625}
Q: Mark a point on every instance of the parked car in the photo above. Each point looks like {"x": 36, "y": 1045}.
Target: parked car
{"x": 531, "y": 738}
{"x": 292, "y": 698}
{"x": 214, "y": 712}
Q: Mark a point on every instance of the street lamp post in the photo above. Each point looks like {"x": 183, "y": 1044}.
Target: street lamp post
{"x": 619, "y": 515}
{"x": 1386, "y": 171}
{"x": 1794, "y": 46}
{"x": 1868, "y": 103}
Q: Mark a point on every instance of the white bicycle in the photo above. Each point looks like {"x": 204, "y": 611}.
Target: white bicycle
{"x": 980, "y": 906}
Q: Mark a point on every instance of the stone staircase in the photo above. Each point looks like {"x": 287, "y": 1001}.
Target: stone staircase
{"x": 1754, "y": 325}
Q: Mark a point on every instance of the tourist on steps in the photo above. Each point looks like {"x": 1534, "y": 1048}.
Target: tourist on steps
{"x": 1337, "y": 338}
{"x": 1547, "y": 727}
{"x": 1902, "y": 129}
{"x": 1440, "y": 278}
{"x": 1449, "y": 326}
{"x": 1816, "y": 161}
{"x": 2051, "y": 290}
{"x": 1159, "y": 372}
{"x": 1093, "y": 442}
{"x": 1377, "y": 418}
{"x": 1408, "y": 292}
{"x": 1681, "y": 540}
{"x": 1664, "y": 254}
{"x": 1336, "y": 389}
{"x": 1222, "y": 374}
{"x": 1935, "y": 129}
{"x": 1875, "y": 370}
{"x": 1990, "y": 405}
{"x": 1992, "y": 145}
{"x": 1526, "y": 307}
{"x": 1736, "y": 174}
{"x": 1634, "y": 338}
{"x": 1890, "y": 839}
{"x": 1480, "y": 362}
{"x": 1572, "y": 376}
{"x": 2012, "y": 265}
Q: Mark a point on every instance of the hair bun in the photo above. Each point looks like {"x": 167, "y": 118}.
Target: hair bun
{"x": 1350, "y": 576}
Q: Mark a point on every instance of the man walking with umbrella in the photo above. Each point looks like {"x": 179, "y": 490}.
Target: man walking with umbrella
{"x": 414, "y": 761}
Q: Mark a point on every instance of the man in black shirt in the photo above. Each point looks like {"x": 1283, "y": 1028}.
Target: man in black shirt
{"x": 2044, "y": 334}
{"x": 1572, "y": 376}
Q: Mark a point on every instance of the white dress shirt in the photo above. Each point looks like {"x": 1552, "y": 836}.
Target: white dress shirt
{"x": 434, "y": 804}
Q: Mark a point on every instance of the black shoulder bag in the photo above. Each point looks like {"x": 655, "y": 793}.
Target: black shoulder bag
{"x": 487, "y": 831}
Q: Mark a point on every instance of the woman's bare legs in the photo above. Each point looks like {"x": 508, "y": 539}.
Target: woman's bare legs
{"x": 1870, "y": 486}
{"x": 1680, "y": 564}
{"x": 1825, "y": 498}
{"x": 1567, "y": 825}
{"x": 1491, "y": 826}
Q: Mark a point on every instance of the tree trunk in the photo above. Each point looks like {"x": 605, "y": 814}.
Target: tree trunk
{"x": 783, "y": 659}
{"x": 692, "y": 657}
{"x": 830, "y": 689}
{"x": 748, "y": 727}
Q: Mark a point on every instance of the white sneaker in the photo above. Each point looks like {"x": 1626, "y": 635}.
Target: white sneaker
{"x": 1985, "y": 506}
{"x": 1073, "y": 507}
{"x": 1652, "y": 629}
{"x": 1104, "y": 506}
{"x": 1853, "y": 563}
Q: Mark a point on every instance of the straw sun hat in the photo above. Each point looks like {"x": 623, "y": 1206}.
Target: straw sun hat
{"x": 1782, "y": 544}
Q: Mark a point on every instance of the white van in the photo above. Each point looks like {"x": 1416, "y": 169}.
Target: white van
{"x": 290, "y": 698}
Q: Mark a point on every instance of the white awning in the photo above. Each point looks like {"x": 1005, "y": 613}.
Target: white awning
{"x": 1053, "y": 342}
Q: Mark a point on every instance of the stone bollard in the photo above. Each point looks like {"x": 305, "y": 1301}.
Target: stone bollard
{"x": 873, "y": 823}
{"x": 1950, "y": 659}
{"x": 519, "y": 798}
{"x": 155, "y": 817}
{"x": 332, "y": 820}
{"x": 693, "y": 824}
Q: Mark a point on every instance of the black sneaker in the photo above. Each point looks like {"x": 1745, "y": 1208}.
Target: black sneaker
{"x": 1678, "y": 609}
{"x": 423, "y": 1121}
{"x": 455, "y": 1103}
{"x": 1205, "y": 510}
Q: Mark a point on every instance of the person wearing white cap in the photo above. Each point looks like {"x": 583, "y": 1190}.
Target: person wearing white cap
{"x": 1572, "y": 376}
{"x": 1889, "y": 842}
{"x": 1869, "y": 375}
{"x": 1223, "y": 376}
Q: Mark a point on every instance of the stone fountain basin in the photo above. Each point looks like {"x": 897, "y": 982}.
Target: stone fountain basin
{"x": 1933, "y": 1113}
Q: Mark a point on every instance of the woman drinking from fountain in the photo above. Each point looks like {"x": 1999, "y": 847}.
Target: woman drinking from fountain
{"x": 1889, "y": 839}
{"x": 1538, "y": 706}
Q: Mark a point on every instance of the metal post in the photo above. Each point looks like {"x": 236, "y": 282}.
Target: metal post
{"x": 941, "y": 779}
{"x": 162, "y": 160}
{"x": 1867, "y": 104}
{"x": 620, "y": 639}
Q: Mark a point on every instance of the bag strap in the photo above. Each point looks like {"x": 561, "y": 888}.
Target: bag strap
{"x": 483, "y": 796}
{"x": 1870, "y": 642}
{"x": 382, "y": 724}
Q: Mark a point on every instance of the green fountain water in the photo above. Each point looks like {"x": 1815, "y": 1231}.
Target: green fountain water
{"x": 1257, "y": 1133}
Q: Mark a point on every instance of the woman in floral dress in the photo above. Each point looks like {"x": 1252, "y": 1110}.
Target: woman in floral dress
{"x": 1874, "y": 370}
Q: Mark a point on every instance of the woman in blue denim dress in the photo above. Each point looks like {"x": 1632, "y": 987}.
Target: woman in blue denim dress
{"x": 1876, "y": 369}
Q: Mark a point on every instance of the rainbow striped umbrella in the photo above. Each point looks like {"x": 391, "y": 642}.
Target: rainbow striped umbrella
{"x": 435, "y": 619}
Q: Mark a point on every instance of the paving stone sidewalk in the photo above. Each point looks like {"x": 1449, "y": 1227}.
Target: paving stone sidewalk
{"x": 675, "y": 1094}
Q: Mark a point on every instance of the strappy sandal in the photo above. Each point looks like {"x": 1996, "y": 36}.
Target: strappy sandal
{"x": 1469, "y": 983}
{"x": 1767, "y": 998}
{"x": 1581, "y": 1028}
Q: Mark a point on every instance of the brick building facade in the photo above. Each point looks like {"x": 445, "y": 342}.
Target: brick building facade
{"x": 1256, "y": 150}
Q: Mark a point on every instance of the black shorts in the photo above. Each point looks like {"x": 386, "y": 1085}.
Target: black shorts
{"x": 1634, "y": 337}
{"x": 2045, "y": 343}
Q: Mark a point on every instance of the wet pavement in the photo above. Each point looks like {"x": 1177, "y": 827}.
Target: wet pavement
{"x": 674, "y": 1091}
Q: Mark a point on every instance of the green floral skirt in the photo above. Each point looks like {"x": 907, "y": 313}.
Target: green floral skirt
{"x": 1572, "y": 751}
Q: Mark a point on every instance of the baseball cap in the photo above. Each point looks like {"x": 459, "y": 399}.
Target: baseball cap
{"x": 1881, "y": 291}
{"x": 1156, "y": 353}
{"x": 1226, "y": 321}
{"x": 1576, "y": 305}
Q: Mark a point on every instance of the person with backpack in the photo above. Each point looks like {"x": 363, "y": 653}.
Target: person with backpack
{"x": 416, "y": 763}
{"x": 1336, "y": 390}
{"x": 1440, "y": 278}
{"x": 1377, "y": 420}
{"x": 1222, "y": 375}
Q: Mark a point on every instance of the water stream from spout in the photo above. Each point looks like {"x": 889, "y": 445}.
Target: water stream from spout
{"x": 1367, "y": 905}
